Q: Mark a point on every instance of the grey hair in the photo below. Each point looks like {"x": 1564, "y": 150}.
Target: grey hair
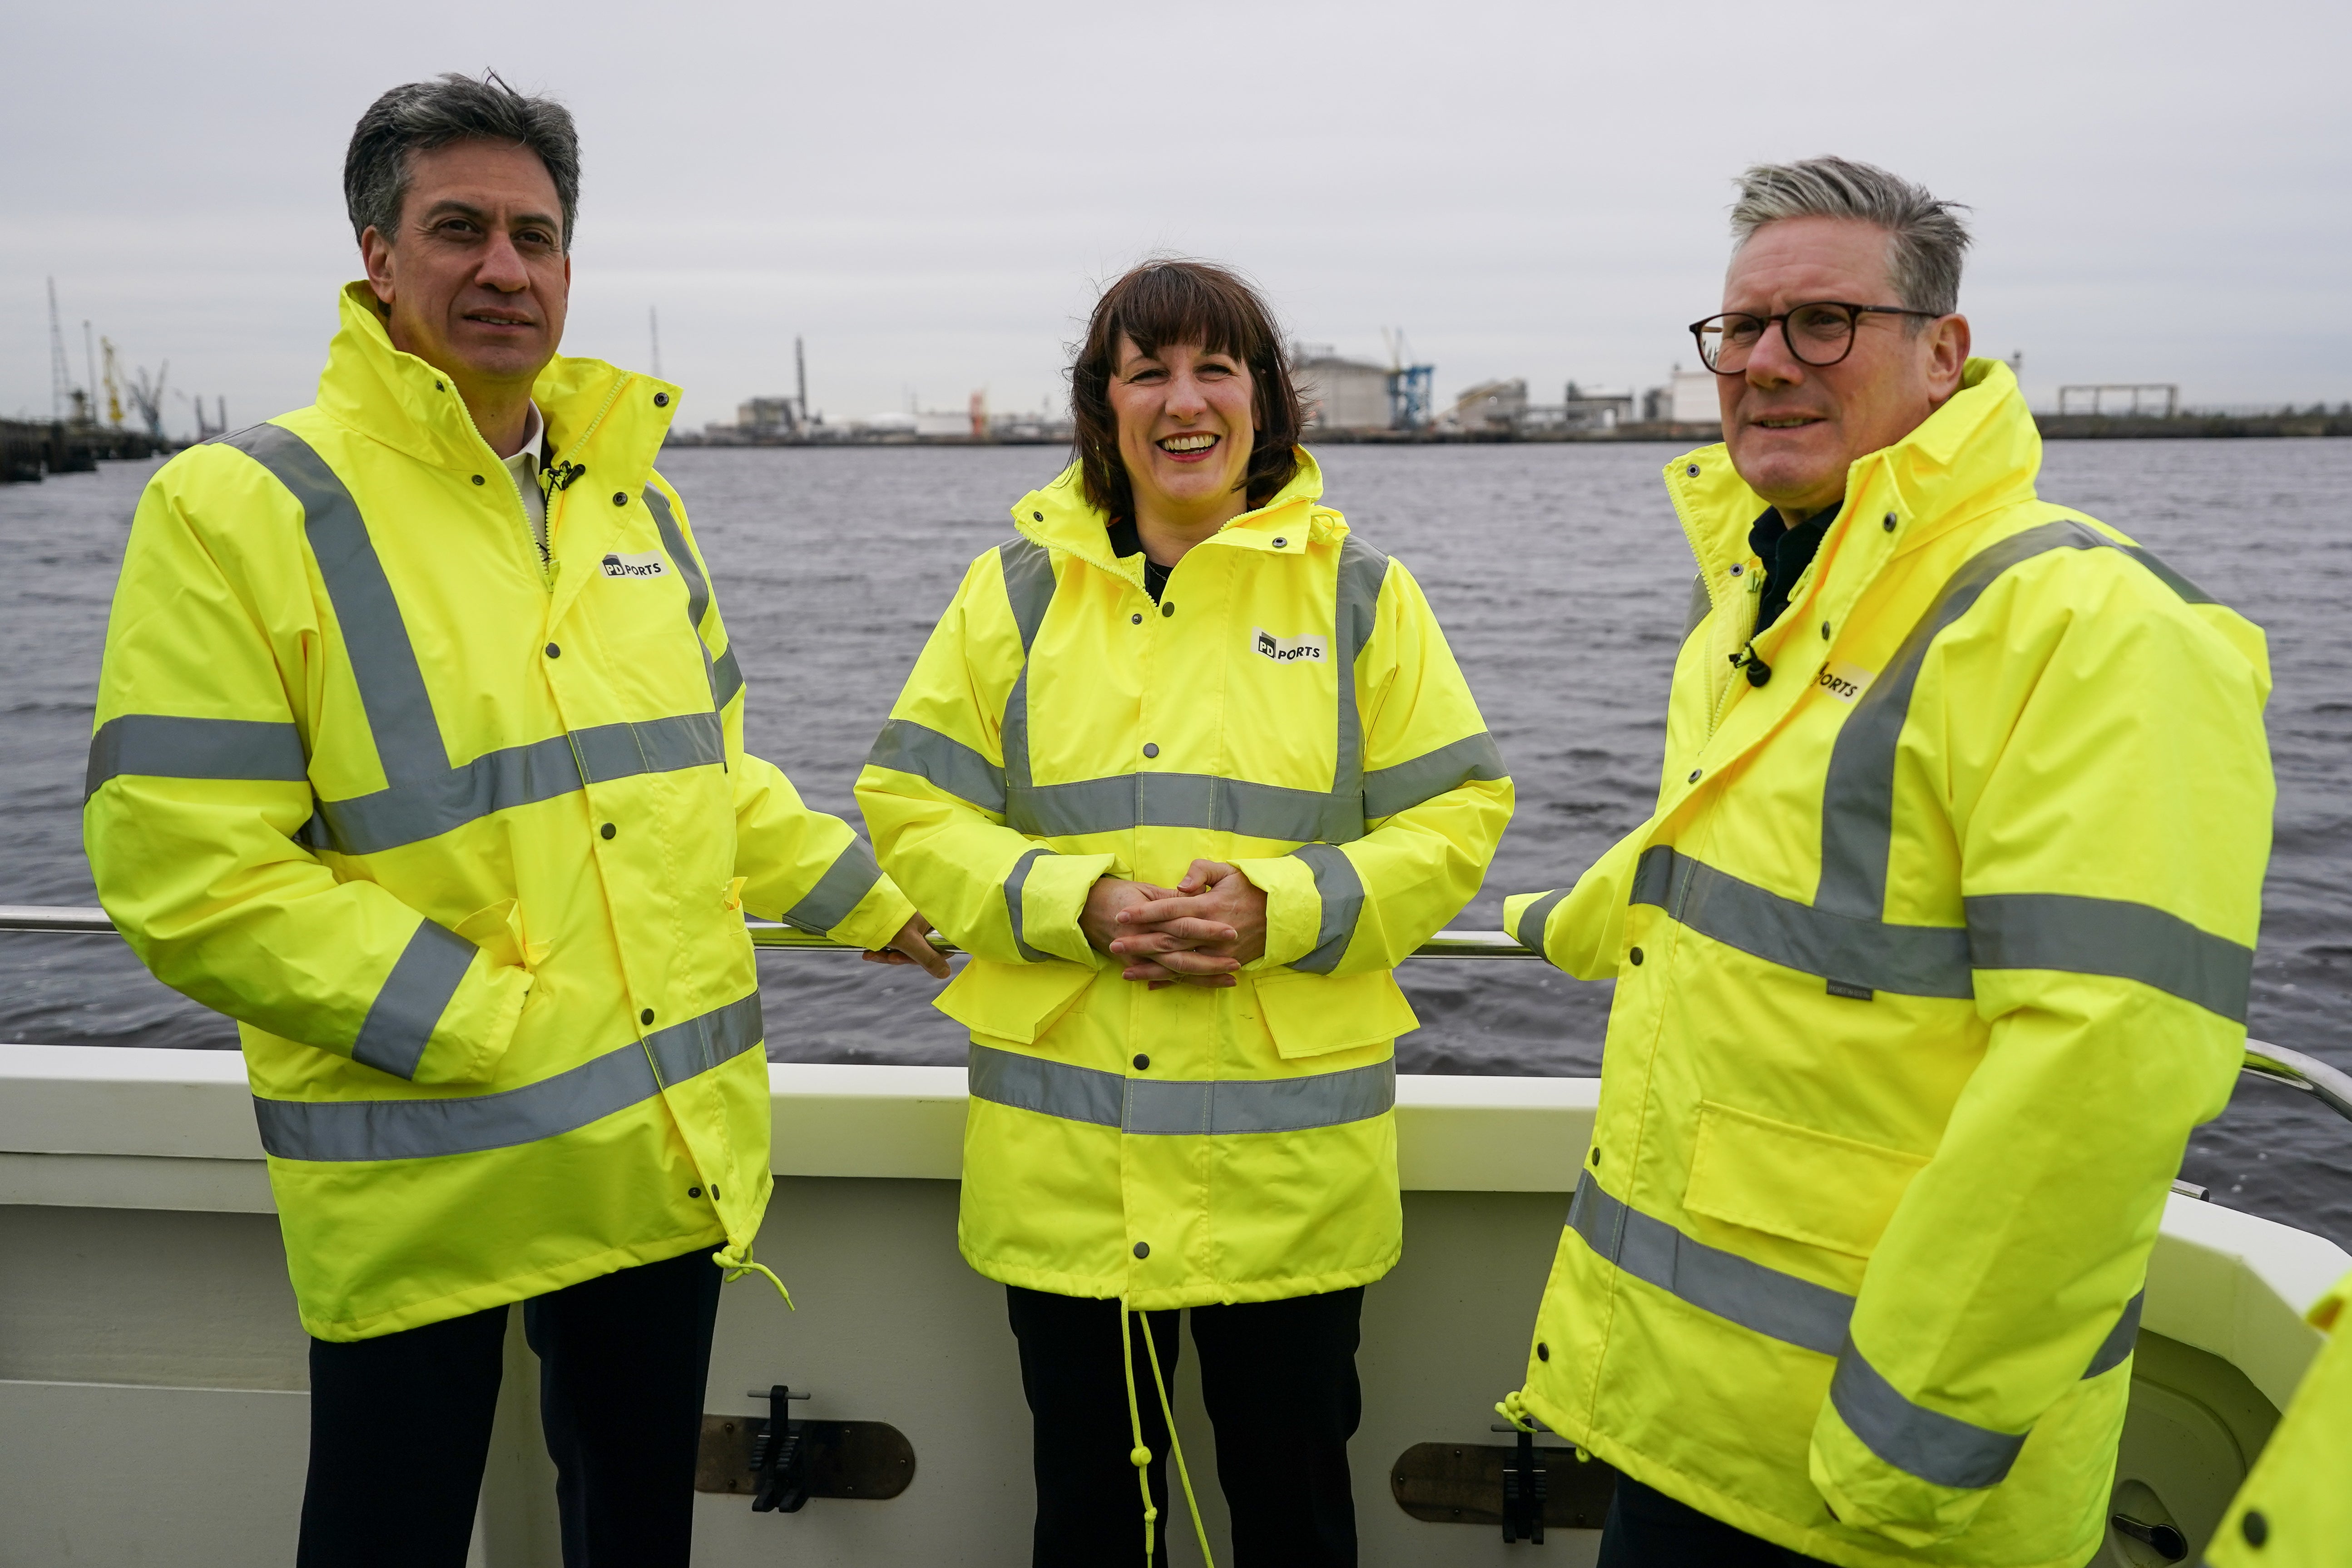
{"x": 1927, "y": 238}
{"x": 422, "y": 115}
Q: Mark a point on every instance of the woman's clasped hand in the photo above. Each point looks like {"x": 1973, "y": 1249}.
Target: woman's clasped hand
{"x": 1198, "y": 933}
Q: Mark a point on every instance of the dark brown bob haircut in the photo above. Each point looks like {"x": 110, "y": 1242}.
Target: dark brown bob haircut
{"x": 1166, "y": 301}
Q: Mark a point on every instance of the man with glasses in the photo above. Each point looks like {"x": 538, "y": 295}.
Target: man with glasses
{"x": 1936, "y": 947}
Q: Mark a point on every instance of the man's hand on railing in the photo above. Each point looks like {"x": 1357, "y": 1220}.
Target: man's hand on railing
{"x": 911, "y": 946}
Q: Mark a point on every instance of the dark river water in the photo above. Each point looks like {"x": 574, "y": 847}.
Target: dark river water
{"x": 1561, "y": 579}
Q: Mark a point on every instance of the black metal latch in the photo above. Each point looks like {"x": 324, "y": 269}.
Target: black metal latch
{"x": 1524, "y": 1484}
{"x": 780, "y": 1453}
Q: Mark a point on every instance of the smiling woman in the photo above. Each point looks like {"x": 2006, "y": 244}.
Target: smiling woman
{"x": 1188, "y": 768}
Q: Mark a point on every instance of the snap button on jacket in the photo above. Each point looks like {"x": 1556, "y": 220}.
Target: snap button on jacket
{"x": 476, "y": 909}
{"x": 1302, "y": 719}
{"x": 1944, "y": 938}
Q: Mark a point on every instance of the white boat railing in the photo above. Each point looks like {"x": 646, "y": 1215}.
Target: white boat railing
{"x": 2274, "y": 1063}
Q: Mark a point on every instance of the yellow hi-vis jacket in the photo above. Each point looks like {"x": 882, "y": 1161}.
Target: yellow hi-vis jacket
{"x": 1935, "y": 948}
{"x": 459, "y": 838}
{"x": 2295, "y": 1509}
{"x": 1289, "y": 706}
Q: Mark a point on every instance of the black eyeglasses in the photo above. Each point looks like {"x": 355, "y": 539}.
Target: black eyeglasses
{"x": 1819, "y": 335}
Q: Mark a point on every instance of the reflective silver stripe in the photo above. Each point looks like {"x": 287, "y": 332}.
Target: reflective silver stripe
{"x": 409, "y": 1005}
{"x": 1858, "y": 796}
{"x": 2190, "y": 592}
{"x": 2111, "y": 936}
{"x": 164, "y": 746}
{"x": 1362, "y": 572}
{"x": 1167, "y": 800}
{"x": 1183, "y": 1106}
{"x": 1128, "y": 801}
{"x": 1017, "y": 879}
{"x": 1342, "y": 891}
{"x": 1028, "y": 570}
{"x": 1390, "y": 790}
{"x": 1911, "y": 961}
{"x": 1530, "y": 932}
{"x": 425, "y": 796}
{"x": 726, "y": 676}
{"x": 907, "y": 747}
{"x": 1940, "y": 1449}
{"x": 1778, "y": 1306}
{"x": 2116, "y": 1348}
{"x": 520, "y": 775}
{"x": 1700, "y": 605}
{"x": 844, "y": 884}
{"x": 343, "y": 1130}
{"x": 375, "y": 638}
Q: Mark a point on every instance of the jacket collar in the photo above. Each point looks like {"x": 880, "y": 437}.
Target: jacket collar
{"x": 1980, "y": 450}
{"x": 1059, "y": 517}
{"x": 398, "y": 400}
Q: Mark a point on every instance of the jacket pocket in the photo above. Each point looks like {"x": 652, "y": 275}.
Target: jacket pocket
{"x": 1814, "y": 1187}
{"x": 1314, "y": 1014}
{"x": 1016, "y": 1002}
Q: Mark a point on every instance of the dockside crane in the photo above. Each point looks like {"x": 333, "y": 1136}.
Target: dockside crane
{"x": 113, "y": 385}
{"x": 148, "y": 398}
{"x": 1411, "y": 386}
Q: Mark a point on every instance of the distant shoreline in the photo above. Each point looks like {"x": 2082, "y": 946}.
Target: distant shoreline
{"x": 2053, "y": 427}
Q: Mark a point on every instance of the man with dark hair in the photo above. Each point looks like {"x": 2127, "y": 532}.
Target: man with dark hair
{"x": 420, "y": 753}
{"x": 1935, "y": 948}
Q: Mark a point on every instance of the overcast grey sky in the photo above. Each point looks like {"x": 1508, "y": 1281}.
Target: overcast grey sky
{"x": 931, "y": 193}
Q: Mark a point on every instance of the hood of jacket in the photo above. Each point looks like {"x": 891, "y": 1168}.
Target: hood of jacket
{"x": 395, "y": 399}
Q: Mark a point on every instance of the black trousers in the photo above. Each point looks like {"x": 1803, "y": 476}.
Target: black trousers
{"x": 399, "y": 1425}
{"x": 1278, "y": 1380}
{"x": 1647, "y": 1528}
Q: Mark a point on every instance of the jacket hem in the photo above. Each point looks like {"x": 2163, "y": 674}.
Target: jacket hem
{"x": 1842, "y": 1550}
{"x": 1202, "y": 1293}
{"x": 504, "y": 1292}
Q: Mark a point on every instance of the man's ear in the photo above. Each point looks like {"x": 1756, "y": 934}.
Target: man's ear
{"x": 1949, "y": 342}
{"x": 375, "y": 258}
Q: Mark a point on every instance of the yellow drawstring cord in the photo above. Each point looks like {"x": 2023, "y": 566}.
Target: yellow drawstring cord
{"x": 1177, "y": 1448}
{"x": 737, "y": 1259}
{"x": 1514, "y": 1410}
{"x": 1138, "y": 1455}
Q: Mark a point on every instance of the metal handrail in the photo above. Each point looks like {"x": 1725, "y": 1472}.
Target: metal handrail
{"x": 2274, "y": 1063}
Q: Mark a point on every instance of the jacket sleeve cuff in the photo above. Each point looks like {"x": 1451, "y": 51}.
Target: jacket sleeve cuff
{"x": 875, "y": 918}
{"x": 1530, "y": 933}
{"x": 1294, "y": 908}
{"x": 1053, "y": 896}
{"x": 1868, "y": 1493}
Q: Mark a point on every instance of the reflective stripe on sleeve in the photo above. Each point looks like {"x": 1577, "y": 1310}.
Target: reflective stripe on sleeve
{"x": 166, "y": 746}
{"x": 353, "y": 1130}
{"x": 2118, "y": 1347}
{"x": 1178, "y": 1106}
{"x": 2190, "y": 592}
{"x": 1778, "y": 1306}
{"x": 907, "y": 747}
{"x": 725, "y": 675}
{"x": 1015, "y": 881}
{"x": 844, "y": 884}
{"x": 2113, "y": 937}
{"x": 1342, "y": 893}
{"x": 1530, "y": 932}
{"x": 1911, "y": 961}
{"x": 1390, "y": 790}
{"x": 402, "y": 1019}
{"x": 1938, "y": 1449}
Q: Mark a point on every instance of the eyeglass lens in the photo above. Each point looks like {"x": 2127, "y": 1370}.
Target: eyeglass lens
{"x": 1818, "y": 335}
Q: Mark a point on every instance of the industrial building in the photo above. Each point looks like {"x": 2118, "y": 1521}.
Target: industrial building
{"x": 1491, "y": 407}
{"x": 1342, "y": 393}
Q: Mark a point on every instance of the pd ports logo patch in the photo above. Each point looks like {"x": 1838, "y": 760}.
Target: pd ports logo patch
{"x": 1287, "y": 650}
{"x": 649, "y": 565}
